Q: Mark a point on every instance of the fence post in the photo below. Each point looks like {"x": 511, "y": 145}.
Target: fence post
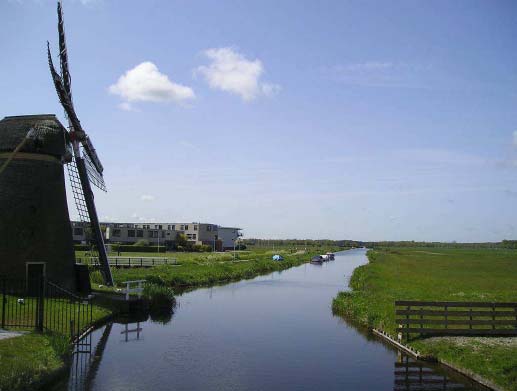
{"x": 41, "y": 300}
{"x": 446, "y": 316}
{"x": 408, "y": 325}
{"x": 421, "y": 317}
{"x": 4, "y": 300}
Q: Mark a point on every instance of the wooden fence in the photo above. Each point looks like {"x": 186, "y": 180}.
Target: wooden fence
{"x": 456, "y": 318}
{"x": 129, "y": 261}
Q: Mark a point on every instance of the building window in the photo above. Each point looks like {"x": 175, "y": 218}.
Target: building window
{"x": 78, "y": 231}
{"x": 116, "y": 233}
{"x": 182, "y": 228}
{"x": 186, "y": 227}
{"x": 139, "y": 233}
{"x": 160, "y": 226}
{"x": 153, "y": 234}
{"x": 163, "y": 234}
{"x": 130, "y": 233}
{"x": 173, "y": 227}
{"x": 195, "y": 227}
{"x": 208, "y": 227}
{"x": 194, "y": 236}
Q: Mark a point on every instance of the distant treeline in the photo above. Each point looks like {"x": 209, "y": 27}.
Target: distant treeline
{"x": 512, "y": 244}
{"x": 300, "y": 243}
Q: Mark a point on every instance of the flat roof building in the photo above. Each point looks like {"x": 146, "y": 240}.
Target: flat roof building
{"x": 162, "y": 233}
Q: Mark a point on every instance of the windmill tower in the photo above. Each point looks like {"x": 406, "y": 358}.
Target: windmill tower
{"x": 35, "y": 230}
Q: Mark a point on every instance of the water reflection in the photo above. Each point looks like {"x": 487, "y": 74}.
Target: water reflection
{"x": 88, "y": 352}
{"x": 274, "y": 332}
{"x": 86, "y": 359}
{"x": 413, "y": 375}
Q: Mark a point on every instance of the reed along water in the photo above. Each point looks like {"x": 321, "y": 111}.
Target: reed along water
{"x": 274, "y": 332}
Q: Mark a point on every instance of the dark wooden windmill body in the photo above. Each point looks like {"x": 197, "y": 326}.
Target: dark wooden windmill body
{"x": 35, "y": 231}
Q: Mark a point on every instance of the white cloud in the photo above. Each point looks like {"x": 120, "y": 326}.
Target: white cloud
{"x": 147, "y": 197}
{"x": 230, "y": 71}
{"x": 126, "y": 106}
{"x": 145, "y": 83}
{"x": 515, "y": 138}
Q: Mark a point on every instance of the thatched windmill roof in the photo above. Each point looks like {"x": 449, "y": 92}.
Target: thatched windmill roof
{"x": 51, "y": 137}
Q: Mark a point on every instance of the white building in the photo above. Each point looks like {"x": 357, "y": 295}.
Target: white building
{"x": 228, "y": 236}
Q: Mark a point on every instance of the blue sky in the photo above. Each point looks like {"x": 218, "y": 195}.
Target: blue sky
{"x": 347, "y": 119}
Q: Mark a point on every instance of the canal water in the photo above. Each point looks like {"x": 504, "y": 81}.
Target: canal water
{"x": 274, "y": 332}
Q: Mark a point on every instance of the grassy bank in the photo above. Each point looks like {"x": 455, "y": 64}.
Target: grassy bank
{"x": 195, "y": 269}
{"x": 27, "y": 360}
{"x": 439, "y": 274}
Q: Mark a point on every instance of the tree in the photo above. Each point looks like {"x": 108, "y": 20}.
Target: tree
{"x": 181, "y": 241}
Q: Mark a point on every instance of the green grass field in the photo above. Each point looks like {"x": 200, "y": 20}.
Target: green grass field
{"x": 439, "y": 274}
{"x": 56, "y": 312}
{"x": 26, "y": 360}
{"x": 201, "y": 269}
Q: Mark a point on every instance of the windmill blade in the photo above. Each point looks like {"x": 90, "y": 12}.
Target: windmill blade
{"x": 63, "y": 52}
{"x": 64, "y": 98}
{"x": 94, "y": 175}
{"x": 90, "y": 150}
{"x": 77, "y": 135}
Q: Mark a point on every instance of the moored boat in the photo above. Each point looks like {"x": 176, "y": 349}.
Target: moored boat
{"x": 317, "y": 259}
{"x": 331, "y": 256}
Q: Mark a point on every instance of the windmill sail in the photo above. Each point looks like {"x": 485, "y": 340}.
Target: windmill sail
{"x": 63, "y": 55}
{"x": 87, "y": 167}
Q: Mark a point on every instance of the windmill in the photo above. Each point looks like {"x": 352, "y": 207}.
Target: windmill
{"x": 85, "y": 167}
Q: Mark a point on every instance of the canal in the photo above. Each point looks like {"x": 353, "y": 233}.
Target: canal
{"x": 274, "y": 332}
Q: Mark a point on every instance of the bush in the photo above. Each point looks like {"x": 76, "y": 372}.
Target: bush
{"x": 160, "y": 297}
{"x": 139, "y": 249}
{"x": 141, "y": 242}
{"x": 201, "y": 248}
{"x": 154, "y": 279}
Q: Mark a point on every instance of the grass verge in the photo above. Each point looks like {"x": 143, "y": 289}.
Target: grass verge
{"x": 28, "y": 359}
{"x": 438, "y": 274}
{"x": 208, "y": 269}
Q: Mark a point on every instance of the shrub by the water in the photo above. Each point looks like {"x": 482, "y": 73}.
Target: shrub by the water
{"x": 159, "y": 296}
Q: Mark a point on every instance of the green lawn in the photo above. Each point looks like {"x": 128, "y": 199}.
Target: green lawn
{"x": 439, "y": 274}
{"x": 200, "y": 269}
{"x": 57, "y": 314}
{"x": 27, "y": 359}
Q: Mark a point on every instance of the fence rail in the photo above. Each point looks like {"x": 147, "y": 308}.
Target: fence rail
{"x": 466, "y": 318}
{"x": 129, "y": 261}
{"x": 44, "y": 306}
